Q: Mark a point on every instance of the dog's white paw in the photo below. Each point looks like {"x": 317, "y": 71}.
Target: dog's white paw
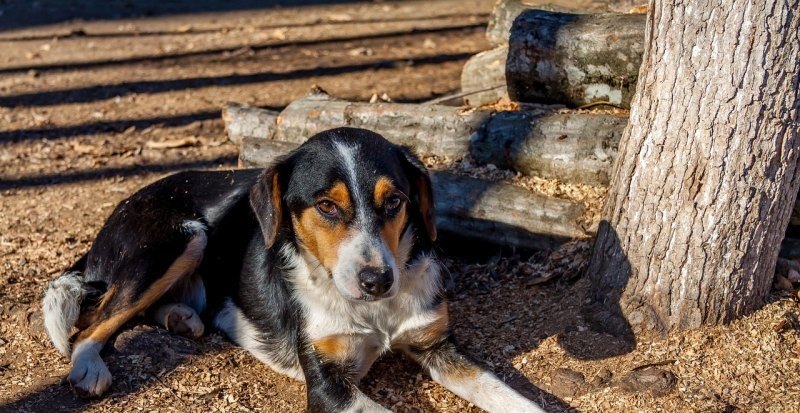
{"x": 89, "y": 376}
{"x": 182, "y": 319}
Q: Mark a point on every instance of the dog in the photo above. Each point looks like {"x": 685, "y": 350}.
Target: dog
{"x": 317, "y": 266}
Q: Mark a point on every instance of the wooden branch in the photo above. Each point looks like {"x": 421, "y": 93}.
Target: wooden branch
{"x": 494, "y": 212}
{"x": 572, "y": 147}
{"x": 242, "y": 121}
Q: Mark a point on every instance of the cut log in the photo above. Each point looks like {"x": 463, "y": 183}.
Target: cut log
{"x": 485, "y": 71}
{"x": 494, "y": 212}
{"x": 429, "y": 129}
{"x": 242, "y": 121}
{"x": 574, "y": 59}
{"x": 572, "y": 147}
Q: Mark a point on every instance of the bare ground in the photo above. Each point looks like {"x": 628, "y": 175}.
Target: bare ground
{"x": 83, "y": 106}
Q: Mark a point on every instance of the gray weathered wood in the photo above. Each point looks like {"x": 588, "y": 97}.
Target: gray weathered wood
{"x": 242, "y": 121}
{"x": 443, "y": 130}
{"x": 574, "y": 59}
{"x": 495, "y": 212}
{"x": 484, "y": 71}
{"x": 572, "y": 147}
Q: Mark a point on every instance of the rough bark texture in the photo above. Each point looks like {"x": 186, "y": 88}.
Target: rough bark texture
{"x": 573, "y": 147}
{"x": 578, "y": 148}
{"x": 574, "y": 59}
{"x": 707, "y": 173}
{"x": 489, "y": 211}
{"x": 258, "y": 123}
{"x": 483, "y": 72}
{"x": 443, "y": 130}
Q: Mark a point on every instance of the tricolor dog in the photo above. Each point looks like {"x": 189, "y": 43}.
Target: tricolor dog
{"x": 316, "y": 266}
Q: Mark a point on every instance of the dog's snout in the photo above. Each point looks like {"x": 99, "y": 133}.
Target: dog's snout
{"x": 375, "y": 281}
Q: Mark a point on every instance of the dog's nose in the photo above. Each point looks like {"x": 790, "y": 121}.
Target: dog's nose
{"x": 375, "y": 281}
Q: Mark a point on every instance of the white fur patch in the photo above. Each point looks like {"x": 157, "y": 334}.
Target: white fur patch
{"x": 62, "y": 307}
{"x": 363, "y": 404}
{"x": 488, "y": 392}
{"x": 233, "y": 322}
{"x": 89, "y": 374}
{"x": 327, "y": 312}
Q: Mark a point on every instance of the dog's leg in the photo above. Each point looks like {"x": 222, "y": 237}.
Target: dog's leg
{"x": 330, "y": 380}
{"x": 180, "y": 319}
{"x": 89, "y": 375}
{"x": 448, "y": 367}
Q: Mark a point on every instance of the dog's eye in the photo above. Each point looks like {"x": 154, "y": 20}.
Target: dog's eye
{"x": 393, "y": 202}
{"x": 326, "y": 207}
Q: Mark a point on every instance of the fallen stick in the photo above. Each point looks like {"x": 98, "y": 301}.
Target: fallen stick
{"x": 572, "y": 147}
{"x": 490, "y": 211}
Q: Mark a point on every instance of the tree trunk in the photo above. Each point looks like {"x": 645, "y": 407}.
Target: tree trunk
{"x": 707, "y": 171}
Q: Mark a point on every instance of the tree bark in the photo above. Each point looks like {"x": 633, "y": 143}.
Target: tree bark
{"x": 572, "y": 147}
{"x": 489, "y": 211}
{"x": 707, "y": 171}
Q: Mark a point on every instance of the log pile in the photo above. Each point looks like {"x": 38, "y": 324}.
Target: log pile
{"x": 499, "y": 213}
{"x": 546, "y": 142}
{"x": 555, "y": 56}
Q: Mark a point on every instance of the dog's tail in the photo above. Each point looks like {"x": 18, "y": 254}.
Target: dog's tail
{"x": 62, "y": 304}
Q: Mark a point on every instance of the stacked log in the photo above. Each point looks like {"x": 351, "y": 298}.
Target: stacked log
{"x": 555, "y": 57}
{"x": 572, "y": 147}
{"x": 494, "y": 212}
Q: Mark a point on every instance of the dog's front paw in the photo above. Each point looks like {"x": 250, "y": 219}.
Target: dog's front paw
{"x": 89, "y": 376}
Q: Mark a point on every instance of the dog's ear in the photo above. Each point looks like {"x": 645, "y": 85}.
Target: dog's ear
{"x": 266, "y": 200}
{"x": 421, "y": 182}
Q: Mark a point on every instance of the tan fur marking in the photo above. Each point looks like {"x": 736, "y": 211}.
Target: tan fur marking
{"x": 436, "y": 330}
{"x": 383, "y": 188}
{"x": 335, "y": 348}
{"x": 341, "y": 196}
{"x": 392, "y": 230}
{"x": 185, "y": 264}
{"x": 318, "y": 235}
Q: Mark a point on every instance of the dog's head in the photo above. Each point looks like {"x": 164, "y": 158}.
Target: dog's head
{"x": 349, "y": 197}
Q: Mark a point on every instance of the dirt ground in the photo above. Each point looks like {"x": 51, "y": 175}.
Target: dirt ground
{"x": 84, "y": 106}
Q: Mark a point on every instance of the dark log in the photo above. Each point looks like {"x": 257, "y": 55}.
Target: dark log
{"x": 489, "y": 211}
{"x": 574, "y": 59}
{"x": 572, "y": 147}
{"x": 242, "y": 121}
